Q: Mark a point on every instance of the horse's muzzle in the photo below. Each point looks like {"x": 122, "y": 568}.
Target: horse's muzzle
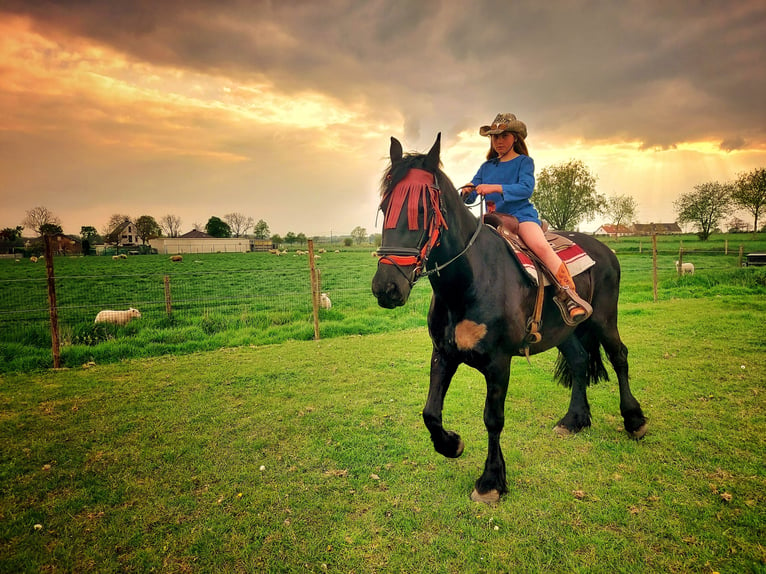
{"x": 390, "y": 287}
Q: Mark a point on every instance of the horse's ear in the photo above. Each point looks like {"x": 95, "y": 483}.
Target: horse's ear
{"x": 432, "y": 159}
{"x": 396, "y": 152}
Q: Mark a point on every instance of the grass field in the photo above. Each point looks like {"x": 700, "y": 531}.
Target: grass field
{"x": 235, "y": 299}
{"x": 311, "y": 456}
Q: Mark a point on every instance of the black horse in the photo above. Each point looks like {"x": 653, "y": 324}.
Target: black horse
{"x": 481, "y": 304}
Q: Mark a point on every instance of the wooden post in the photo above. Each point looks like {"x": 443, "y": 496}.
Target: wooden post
{"x": 168, "y": 303}
{"x": 725, "y": 246}
{"x": 741, "y": 250}
{"x": 640, "y": 246}
{"x": 654, "y": 262}
{"x": 314, "y": 289}
{"x": 52, "y": 307}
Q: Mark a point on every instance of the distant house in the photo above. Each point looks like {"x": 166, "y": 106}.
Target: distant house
{"x": 66, "y": 244}
{"x": 613, "y": 230}
{"x": 126, "y": 234}
{"x": 659, "y": 228}
{"x": 195, "y": 234}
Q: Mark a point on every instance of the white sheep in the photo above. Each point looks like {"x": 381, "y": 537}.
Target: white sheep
{"x": 324, "y": 301}
{"x": 117, "y": 317}
{"x": 685, "y": 268}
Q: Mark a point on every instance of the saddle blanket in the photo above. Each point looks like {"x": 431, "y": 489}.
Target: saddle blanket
{"x": 572, "y": 254}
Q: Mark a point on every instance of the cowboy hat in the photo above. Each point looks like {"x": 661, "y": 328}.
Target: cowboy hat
{"x": 504, "y": 123}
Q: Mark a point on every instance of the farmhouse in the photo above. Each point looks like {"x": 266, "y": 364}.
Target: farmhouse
{"x": 613, "y": 230}
{"x": 126, "y": 234}
{"x": 659, "y": 228}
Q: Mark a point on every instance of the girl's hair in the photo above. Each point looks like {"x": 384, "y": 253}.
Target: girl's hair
{"x": 519, "y": 146}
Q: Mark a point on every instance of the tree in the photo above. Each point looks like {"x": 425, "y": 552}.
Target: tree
{"x": 261, "y": 230}
{"x": 238, "y": 223}
{"x": 705, "y": 207}
{"x": 301, "y": 238}
{"x": 37, "y": 217}
{"x": 147, "y": 228}
{"x": 276, "y": 239}
{"x": 620, "y": 209}
{"x": 749, "y": 193}
{"x": 216, "y": 227}
{"x": 11, "y": 233}
{"x": 50, "y": 229}
{"x": 89, "y": 236}
{"x": 566, "y": 195}
{"x": 290, "y": 238}
{"x": 358, "y": 234}
{"x": 170, "y": 225}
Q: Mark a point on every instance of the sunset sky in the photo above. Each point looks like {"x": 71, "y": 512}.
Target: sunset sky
{"x": 283, "y": 110}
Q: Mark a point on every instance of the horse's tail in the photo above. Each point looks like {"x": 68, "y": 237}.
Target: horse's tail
{"x": 596, "y": 370}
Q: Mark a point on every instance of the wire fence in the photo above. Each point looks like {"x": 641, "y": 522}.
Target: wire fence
{"x": 262, "y": 297}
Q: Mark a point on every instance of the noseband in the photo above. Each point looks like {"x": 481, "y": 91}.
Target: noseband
{"x": 418, "y": 186}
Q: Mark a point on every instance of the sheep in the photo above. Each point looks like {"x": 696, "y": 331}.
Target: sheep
{"x": 176, "y": 258}
{"x": 33, "y": 259}
{"x": 117, "y": 317}
{"x": 685, "y": 268}
{"x": 324, "y": 301}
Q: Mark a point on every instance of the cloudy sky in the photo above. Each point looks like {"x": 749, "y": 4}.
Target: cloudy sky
{"x": 282, "y": 110}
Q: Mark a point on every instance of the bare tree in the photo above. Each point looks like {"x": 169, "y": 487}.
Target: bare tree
{"x": 38, "y": 217}
{"x": 620, "y": 209}
{"x": 238, "y": 223}
{"x": 170, "y": 225}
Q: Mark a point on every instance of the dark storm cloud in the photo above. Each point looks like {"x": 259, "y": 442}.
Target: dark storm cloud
{"x": 650, "y": 71}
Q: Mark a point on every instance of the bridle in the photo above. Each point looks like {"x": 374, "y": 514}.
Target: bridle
{"x": 417, "y": 187}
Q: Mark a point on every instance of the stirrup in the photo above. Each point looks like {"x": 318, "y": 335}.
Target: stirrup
{"x": 567, "y": 301}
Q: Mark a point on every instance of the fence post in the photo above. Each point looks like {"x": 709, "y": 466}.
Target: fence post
{"x": 168, "y": 304}
{"x": 52, "y": 308}
{"x": 314, "y": 289}
{"x": 654, "y": 262}
{"x": 725, "y": 246}
{"x": 741, "y": 251}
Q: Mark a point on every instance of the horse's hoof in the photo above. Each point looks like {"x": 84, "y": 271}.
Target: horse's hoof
{"x": 562, "y": 431}
{"x": 460, "y": 449}
{"x": 639, "y": 433}
{"x": 491, "y": 497}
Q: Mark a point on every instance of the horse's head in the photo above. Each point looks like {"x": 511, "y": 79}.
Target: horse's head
{"x": 409, "y": 234}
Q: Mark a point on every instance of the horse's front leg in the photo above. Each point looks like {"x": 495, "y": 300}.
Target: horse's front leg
{"x": 447, "y": 443}
{"x": 492, "y": 483}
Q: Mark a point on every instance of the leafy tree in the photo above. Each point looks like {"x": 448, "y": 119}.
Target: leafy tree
{"x": 620, "y": 209}
{"x": 276, "y": 239}
{"x": 290, "y": 238}
{"x": 238, "y": 223}
{"x": 37, "y": 217}
{"x": 147, "y": 228}
{"x": 261, "y": 230}
{"x": 566, "y": 194}
{"x": 216, "y": 227}
{"x": 301, "y": 238}
{"x": 705, "y": 207}
{"x": 358, "y": 234}
{"x": 50, "y": 229}
{"x": 89, "y": 233}
{"x": 749, "y": 193}
{"x": 11, "y": 233}
{"x": 170, "y": 225}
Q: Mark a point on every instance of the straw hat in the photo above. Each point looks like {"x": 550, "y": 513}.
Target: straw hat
{"x": 504, "y": 123}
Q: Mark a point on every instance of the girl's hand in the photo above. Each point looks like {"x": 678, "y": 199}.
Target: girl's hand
{"x": 466, "y": 189}
{"x": 487, "y": 188}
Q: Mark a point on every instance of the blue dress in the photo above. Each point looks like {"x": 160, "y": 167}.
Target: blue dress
{"x": 517, "y": 177}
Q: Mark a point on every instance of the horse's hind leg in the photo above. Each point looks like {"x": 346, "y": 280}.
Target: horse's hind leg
{"x": 632, "y": 415}
{"x": 447, "y": 443}
{"x": 578, "y": 414}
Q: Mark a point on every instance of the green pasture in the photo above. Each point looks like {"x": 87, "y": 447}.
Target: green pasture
{"x": 237, "y": 299}
{"x": 311, "y": 456}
